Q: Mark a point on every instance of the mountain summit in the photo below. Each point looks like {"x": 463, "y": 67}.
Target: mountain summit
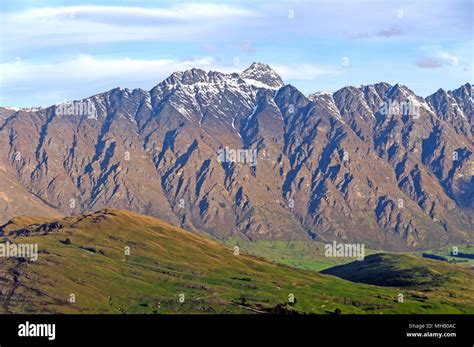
{"x": 262, "y": 73}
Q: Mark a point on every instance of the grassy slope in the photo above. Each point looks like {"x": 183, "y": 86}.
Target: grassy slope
{"x": 166, "y": 261}
{"x": 420, "y": 278}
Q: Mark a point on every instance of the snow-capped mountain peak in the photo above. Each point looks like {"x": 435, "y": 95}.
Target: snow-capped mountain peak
{"x": 262, "y": 75}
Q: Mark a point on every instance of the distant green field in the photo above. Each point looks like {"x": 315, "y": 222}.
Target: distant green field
{"x": 446, "y": 252}
{"x": 310, "y": 254}
{"x": 300, "y": 254}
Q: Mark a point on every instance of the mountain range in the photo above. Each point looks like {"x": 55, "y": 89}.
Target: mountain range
{"x": 374, "y": 164}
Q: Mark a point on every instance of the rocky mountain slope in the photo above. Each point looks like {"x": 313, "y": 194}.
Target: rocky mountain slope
{"x": 374, "y": 164}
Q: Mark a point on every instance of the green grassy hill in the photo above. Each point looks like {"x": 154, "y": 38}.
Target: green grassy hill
{"x": 420, "y": 278}
{"x": 85, "y": 256}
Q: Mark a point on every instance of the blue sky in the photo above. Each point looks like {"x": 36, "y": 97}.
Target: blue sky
{"x": 52, "y": 51}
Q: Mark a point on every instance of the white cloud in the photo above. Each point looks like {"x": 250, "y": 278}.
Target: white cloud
{"x": 446, "y": 55}
{"x": 462, "y": 55}
{"x": 201, "y": 23}
{"x": 302, "y": 71}
{"x": 69, "y": 25}
{"x": 74, "y": 78}
{"x": 43, "y": 84}
{"x": 86, "y": 67}
{"x": 180, "y": 11}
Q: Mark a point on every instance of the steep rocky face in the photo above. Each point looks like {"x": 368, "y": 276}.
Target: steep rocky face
{"x": 455, "y": 107}
{"x": 243, "y": 154}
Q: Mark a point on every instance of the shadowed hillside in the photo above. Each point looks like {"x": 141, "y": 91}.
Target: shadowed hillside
{"x": 401, "y": 270}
